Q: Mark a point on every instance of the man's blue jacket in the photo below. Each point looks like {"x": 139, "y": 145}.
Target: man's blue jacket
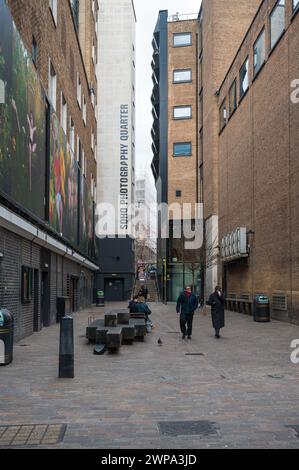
{"x": 186, "y": 305}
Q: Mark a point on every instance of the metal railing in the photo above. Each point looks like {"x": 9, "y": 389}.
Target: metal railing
{"x": 182, "y": 17}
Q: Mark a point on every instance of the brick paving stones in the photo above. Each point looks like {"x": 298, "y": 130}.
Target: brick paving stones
{"x": 245, "y": 384}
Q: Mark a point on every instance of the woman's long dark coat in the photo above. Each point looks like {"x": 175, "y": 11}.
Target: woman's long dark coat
{"x": 218, "y": 307}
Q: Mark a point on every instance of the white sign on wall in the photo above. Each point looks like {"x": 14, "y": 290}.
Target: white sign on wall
{"x": 234, "y": 245}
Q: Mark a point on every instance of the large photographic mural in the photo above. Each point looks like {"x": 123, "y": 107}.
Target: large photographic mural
{"x": 22, "y": 122}
{"x": 63, "y": 197}
{"x": 23, "y": 148}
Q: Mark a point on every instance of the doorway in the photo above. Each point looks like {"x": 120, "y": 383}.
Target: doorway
{"x": 36, "y": 298}
{"x": 73, "y": 294}
{"x": 45, "y": 299}
{"x": 114, "y": 290}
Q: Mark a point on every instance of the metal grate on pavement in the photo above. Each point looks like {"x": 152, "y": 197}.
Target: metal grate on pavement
{"x": 32, "y": 434}
{"x": 188, "y": 428}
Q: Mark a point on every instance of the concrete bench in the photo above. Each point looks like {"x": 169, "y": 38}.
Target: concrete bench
{"x": 92, "y": 329}
{"x": 140, "y": 327}
{"x": 114, "y": 339}
{"x": 110, "y": 319}
{"x": 128, "y": 332}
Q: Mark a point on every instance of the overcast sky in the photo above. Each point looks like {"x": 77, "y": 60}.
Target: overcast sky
{"x": 147, "y": 14}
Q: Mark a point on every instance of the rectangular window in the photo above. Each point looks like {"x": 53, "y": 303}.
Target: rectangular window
{"x": 182, "y": 76}
{"x": 72, "y": 135}
{"x": 182, "y": 112}
{"x": 52, "y": 85}
{"x": 259, "y": 52}
{"x": 295, "y": 4}
{"x": 75, "y": 12}
{"x": 182, "y": 39}
{"x": 223, "y": 116}
{"x": 182, "y": 149}
{"x": 244, "y": 78}
{"x": 84, "y": 110}
{"x": 34, "y": 51}
{"x": 27, "y": 285}
{"x": 79, "y": 91}
{"x": 53, "y": 7}
{"x": 178, "y": 193}
{"x": 277, "y": 22}
{"x": 63, "y": 113}
{"x": 233, "y": 98}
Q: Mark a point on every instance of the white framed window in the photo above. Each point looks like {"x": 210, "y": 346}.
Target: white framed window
{"x": 79, "y": 91}
{"x": 182, "y": 39}
{"x": 63, "y": 113}
{"x": 182, "y": 112}
{"x": 52, "y": 85}
{"x": 72, "y": 135}
{"x": 84, "y": 110}
{"x": 92, "y": 140}
{"x": 53, "y": 8}
{"x": 182, "y": 76}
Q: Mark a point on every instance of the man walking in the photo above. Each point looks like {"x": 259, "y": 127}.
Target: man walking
{"x": 217, "y": 302}
{"x": 186, "y": 305}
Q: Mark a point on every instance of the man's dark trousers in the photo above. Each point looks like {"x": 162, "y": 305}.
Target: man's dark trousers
{"x": 186, "y": 319}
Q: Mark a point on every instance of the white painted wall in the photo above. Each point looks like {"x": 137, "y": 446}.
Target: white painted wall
{"x": 116, "y": 78}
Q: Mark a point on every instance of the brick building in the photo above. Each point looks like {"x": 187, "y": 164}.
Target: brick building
{"x": 48, "y": 157}
{"x": 191, "y": 56}
{"x": 258, "y": 162}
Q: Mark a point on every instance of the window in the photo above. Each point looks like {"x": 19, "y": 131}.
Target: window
{"x": 52, "y": 85}
{"x": 27, "y": 286}
{"x": 79, "y": 91}
{"x": 75, "y": 12}
{"x": 182, "y": 76}
{"x": 295, "y": 4}
{"x": 178, "y": 193}
{"x": 183, "y": 149}
{"x": 93, "y": 53}
{"x": 182, "y": 39}
{"x": 277, "y": 22}
{"x": 259, "y": 52}
{"x": 72, "y": 135}
{"x": 233, "y": 98}
{"x": 223, "y": 116}
{"x": 182, "y": 112}
{"x": 92, "y": 140}
{"x": 53, "y": 7}
{"x": 84, "y": 110}
{"x": 34, "y": 51}
{"x": 244, "y": 78}
{"x": 63, "y": 113}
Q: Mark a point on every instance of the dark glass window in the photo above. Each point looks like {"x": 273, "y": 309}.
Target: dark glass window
{"x": 182, "y": 149}
{"x": 259, "y": 52}
{"x": 178, "y": 193}
{"x": 277, "y": 22}
{"x": 244, "y": 78}
{"x": 34, "y": 51}
{"x": 233, "y": 98}
{"x": 75, "y": 11}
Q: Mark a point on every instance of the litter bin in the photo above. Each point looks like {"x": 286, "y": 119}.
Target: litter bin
{"x": 6, "y": 337}
{"x": 261, "y": 310}
{"x": 63, "y": 307}
{"x": 100, "y": 298}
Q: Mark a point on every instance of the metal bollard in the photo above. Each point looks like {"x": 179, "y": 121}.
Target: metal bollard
{"x": 66, "y": 348}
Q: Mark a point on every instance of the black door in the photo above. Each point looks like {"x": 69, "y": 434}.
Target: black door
{"x": 36, "y": 298}
{"x": 45, "y": 299}
{"x": 114, "y": 290}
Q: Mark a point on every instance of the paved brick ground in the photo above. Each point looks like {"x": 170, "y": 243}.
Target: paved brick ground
{"x": 244, "y": 383}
